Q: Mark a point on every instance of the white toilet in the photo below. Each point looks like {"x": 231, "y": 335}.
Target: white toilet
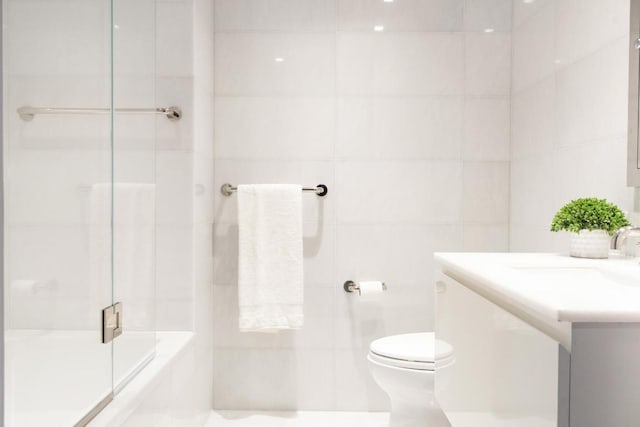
{"x": 404, "y": 367}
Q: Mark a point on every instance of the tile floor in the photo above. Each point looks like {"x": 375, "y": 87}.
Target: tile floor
{"x": 297, "y": 419}
{"x": 356, "y": 419}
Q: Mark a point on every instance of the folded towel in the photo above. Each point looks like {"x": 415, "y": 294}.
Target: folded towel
{"x": 270, "y": 275}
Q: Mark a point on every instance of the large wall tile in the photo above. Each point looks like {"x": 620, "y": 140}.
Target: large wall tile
{"x": 486, "y": 129}
{"x": 480, "y": 15}
{"x": 486, "y": 238}
{"x": 267, "y": 379}
{"x": 486, "y": 192}
{"x": 400, "y": 64}
{"x": 400, "y": 191}
{"x": 584, "y": 26}
{"x": 533, "y": 50}
{"x": 525, "y": 9}
{"x": 258, "y": 64}
{"x": 592, "y": 96}
{"x": 65, "y": 47}
{"x": 488, "y": 64}
{"x": 174, "y": 47}
{"x": 587, "y": 173}
{"x": 174, "y": 187}
{"x": 533, "y": 119}
{"x": 274, "y": 128}
{"x": 399, "y": 128}
{"x": 275, "y": 15}
{"x": 406, "y": 15}
{"x": 532, "y": 191}
{"x": 64, "y": 196}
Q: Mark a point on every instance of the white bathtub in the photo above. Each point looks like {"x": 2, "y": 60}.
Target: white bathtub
{"x": 53, "y": 378}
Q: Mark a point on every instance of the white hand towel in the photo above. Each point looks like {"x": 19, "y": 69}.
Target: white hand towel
{"x": 270, "y": 274}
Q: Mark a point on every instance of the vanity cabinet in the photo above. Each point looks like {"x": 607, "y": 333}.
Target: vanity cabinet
{"x": 540, "y": 340}
{"x": 506, "y": 372}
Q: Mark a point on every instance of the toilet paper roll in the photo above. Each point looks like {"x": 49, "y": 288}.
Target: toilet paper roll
{"x": 371, "y": 287}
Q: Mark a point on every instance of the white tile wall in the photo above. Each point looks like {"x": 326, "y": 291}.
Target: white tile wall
{"x": 483, "y": 14}
{"x": 420, "y": 128}
{"x": 486, "y": 238}
{"x": 533, "y": 119}
{"x": 486, "y": 129}
{"x": 488, "y": 64}
{"x": 486, "y": 192}
{"x": 386, "y": 191}
{"x": 247, "y": 64}
{"x": 274, "y": 128}
{"x": 407, "y": 15}
{"x": 275, "y": 15}
{"x": 399, "y": 64}
{"x": 409, "y": 128}
{"x": 525, "y": 9}
{"x": 591, "y": 96}
{"x": 583, "y": 27}
{"x": 533, "y": 49}
{"x": 568, "y": 126}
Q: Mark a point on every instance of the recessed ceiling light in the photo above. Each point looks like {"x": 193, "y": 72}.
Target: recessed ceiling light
{"x": 489, "y": 30}
{"x": 378, "y": 28}
{"x": 116, "y": 26}
{"x": 388, "y": 1}
{"x": 528, "y": 1}
{"x": 279, "y": 59}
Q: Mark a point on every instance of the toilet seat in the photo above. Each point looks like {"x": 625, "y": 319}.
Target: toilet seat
{"x": 421, "y": 351}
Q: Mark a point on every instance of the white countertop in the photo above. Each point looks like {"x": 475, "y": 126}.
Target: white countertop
{"x": 550, "y": 287}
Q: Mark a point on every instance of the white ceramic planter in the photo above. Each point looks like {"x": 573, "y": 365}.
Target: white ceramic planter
{"x": 590, "y": 244}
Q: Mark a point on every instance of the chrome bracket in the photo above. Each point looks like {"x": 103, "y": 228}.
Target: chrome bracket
{"x": 111, "y": 322}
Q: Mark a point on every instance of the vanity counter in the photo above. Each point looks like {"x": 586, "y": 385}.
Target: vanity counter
{"x": 551, "y": 287}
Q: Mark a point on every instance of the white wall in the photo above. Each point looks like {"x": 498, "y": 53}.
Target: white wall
{"x": 569, "y": 112}
{"x": 409, "y": 128}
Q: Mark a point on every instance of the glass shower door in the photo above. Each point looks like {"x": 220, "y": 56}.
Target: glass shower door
{"x": 58, "y": 203}
{"x": 79, "y": 156}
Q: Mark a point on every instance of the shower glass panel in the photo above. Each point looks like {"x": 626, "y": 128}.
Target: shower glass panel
{"x": 79, "y": 202}
{"x": 57, "y": 236}
{"x": 134, "y": 86}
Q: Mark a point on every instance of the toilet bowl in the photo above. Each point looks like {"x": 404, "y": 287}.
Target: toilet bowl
{"x": 404, "y": 366}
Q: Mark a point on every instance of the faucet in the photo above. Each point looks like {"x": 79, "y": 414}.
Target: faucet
{"x": 619, "y": 239}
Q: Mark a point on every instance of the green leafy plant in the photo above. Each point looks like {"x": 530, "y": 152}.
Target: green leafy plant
{"x": 589, "y": 214}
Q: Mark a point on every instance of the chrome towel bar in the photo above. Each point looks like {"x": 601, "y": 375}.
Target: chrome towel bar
{"x": 320, "y": 189}
{"x": 27, "y": 113}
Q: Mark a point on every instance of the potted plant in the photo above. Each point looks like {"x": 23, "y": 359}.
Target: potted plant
{"x": 591, "y": 221}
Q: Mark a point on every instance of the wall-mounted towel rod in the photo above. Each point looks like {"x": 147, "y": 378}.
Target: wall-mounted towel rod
{"x": 320, "y": 189}
{"x": 27, "y": 113}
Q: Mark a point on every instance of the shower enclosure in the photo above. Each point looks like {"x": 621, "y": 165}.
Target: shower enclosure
{"x": 80, "y": 122}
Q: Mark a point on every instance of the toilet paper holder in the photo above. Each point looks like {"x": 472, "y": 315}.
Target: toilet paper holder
{"x": 350, "y": 286}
